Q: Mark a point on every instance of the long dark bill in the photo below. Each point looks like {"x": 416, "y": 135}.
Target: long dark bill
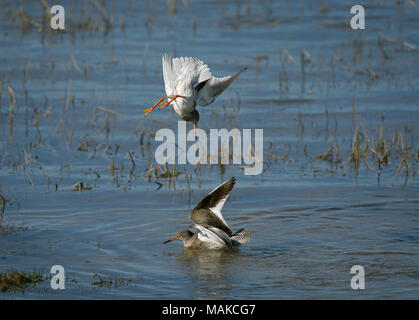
{"x": 170, "y": 240}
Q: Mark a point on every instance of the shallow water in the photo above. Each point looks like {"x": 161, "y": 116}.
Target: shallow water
{"x": 77, "y": 117}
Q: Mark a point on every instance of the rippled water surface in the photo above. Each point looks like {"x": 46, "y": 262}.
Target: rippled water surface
{"x": 339, "y": 112}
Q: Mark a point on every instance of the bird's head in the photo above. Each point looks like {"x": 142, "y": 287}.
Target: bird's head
{"x": 181, "y": 235}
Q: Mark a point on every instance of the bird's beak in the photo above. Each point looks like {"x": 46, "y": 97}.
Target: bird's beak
{"x": 170, "y": 240}
{"x": 194, "y": 128}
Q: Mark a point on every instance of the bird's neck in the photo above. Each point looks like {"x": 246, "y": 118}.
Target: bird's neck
{"x": 189, "y": 240}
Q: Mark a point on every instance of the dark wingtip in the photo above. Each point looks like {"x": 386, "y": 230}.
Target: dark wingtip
{"x": 231, "y": 181}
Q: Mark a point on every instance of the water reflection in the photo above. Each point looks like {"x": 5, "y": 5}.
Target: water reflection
{"x": 210, "y": 270}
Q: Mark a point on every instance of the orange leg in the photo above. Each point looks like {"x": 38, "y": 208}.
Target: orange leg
{"x": 167, "y": 103}
{"x": 147, "y": 111}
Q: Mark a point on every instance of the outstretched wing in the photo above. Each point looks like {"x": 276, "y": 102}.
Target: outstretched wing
{"x": 213, "y": 202}
{"x": 179, "y": 68}
{"x": 193, "y": 67}
{"x": 214, "y": 87}
{"x": 169, "y": 74}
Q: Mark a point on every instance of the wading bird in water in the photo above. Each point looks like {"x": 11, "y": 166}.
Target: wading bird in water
{"x": 212, "y": 230}
{"x": 189, "y": 82}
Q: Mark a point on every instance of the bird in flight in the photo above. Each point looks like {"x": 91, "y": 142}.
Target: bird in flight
{"x": 212, "y": 230}
{"x": 189, "y": 82}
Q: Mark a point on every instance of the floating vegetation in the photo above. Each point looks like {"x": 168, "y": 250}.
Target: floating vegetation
{"x": 84, "y": 147}
{"x": 329, "y": 155}
{"x": 108, "y": 282}
{"x": 7, "y": 230}
{"x": 160, "y": 172}
{"x": 19, "y": 281}
{"x": 79, "y": 186}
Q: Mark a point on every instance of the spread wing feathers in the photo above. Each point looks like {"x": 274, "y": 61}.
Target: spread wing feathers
{"x": 179, "y": 68}
{"x": 213, "y": 235}
{"x": 208, "y": 218}
{"x": 214, "y": 87}
{"x": 194, "y": 67}
{"x": 169, "y": 74}
{"x": 216, "y": 199}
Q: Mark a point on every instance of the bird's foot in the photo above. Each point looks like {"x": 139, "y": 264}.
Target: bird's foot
{"x": 169, "y": 102}
{"x": 148, "y": 110}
